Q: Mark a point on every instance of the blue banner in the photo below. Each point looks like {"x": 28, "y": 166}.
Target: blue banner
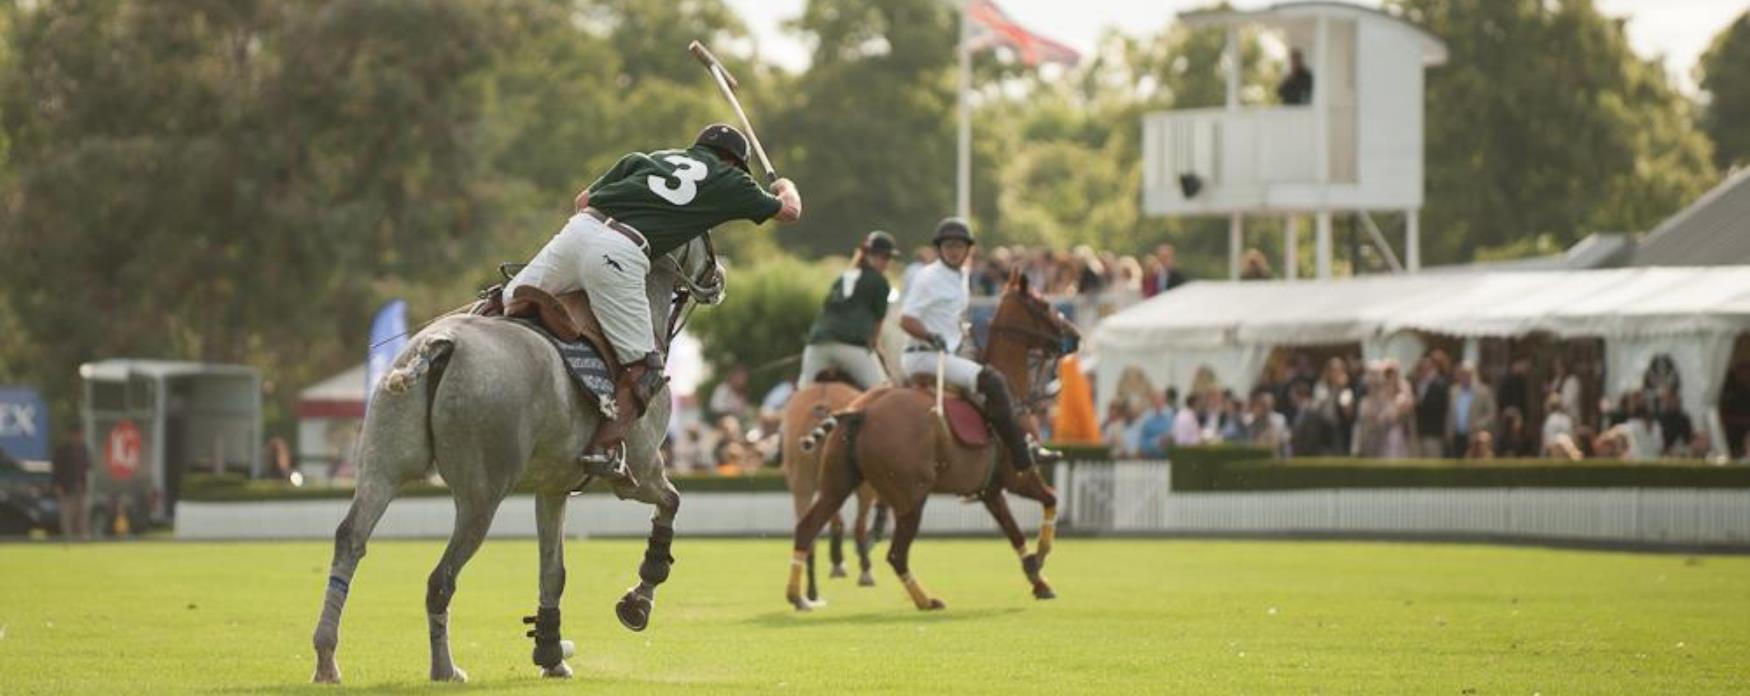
{"x": 388, "y": 337}
{"x": 24, "y": 424}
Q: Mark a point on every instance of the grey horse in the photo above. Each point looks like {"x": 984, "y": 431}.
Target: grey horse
{"x": 489, "y": 403}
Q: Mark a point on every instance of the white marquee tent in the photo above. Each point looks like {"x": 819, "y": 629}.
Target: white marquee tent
{"x": 1690, "y": 314}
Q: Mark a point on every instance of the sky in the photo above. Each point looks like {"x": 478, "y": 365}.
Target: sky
{"x": 1678, "y": 30}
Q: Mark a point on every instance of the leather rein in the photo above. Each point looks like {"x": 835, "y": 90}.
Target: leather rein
{"x": 1043, "y": 351}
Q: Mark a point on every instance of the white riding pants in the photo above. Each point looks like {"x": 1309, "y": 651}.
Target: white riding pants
{"x": 858, "y": 363}
{"x": 587, "y": 255}
{"x": 959, "y": 371}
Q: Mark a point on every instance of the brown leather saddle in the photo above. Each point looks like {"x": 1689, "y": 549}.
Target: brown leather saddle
{"x": 568, "y": 317}
{"x": 965, "y": 418}
{"x": 833, "y": 374}
{"x": 966, "y": 421}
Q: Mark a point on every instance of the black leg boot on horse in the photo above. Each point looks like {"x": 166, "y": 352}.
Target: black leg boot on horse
{"x": 550, "y": 650}
{"x": 633, "y": 388}
{"x": 999, "y": 410}
{"x": 634, "y": 608}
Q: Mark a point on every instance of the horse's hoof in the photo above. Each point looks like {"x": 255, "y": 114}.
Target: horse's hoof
{"x": 935, "y": 605}
{"x": 1043, "y": 592}
{"x": 838, "y": 571}
{"x": 552, "y": 653}
{"x": 456, "y": 676}
{"x": 867, "y": 579}
{"x": 634, "y": 611}
{"x": 798, "y": 601}
{"x": 559, "y": 671}
{"x": 326, "y": 674}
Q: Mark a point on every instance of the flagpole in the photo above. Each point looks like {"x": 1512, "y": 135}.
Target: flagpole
{"x": 963, "y": 165}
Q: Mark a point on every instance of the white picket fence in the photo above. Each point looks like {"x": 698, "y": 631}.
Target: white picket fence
{"x": 701, "y": 514}
{"x": 1125, "y": 497}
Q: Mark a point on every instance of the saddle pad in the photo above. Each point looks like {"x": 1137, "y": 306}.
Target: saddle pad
{"x": 586, "y": 366}
{"x": 966, "y": 422}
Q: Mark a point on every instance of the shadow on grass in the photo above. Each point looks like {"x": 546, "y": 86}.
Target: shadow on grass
{"x": 379, "y": 687}
{"x": 495, "y": 685}
{"x": 826, "y": 617}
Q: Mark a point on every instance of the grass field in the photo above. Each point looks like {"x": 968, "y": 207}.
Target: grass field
{"x": 1132, "y": 617}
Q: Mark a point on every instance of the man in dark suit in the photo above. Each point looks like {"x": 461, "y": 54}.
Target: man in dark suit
{"x": 1297, "y": 87}
{"x": 70, "y": 465}
{"x": 1168, "y": 277}
{"x": 1433, "y": 399}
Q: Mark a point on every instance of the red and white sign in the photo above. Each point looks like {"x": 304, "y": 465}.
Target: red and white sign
{"x": 121, "y": 451}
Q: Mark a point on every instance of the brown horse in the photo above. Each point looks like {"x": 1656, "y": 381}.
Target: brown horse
{"x": 803, "y": 415}
{"x": 894, "y": 439}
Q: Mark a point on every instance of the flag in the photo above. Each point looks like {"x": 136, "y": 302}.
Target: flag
{"x": 990, "y": 27}
{"x": 24, "y": 425}
{"x": 388, "y": 336}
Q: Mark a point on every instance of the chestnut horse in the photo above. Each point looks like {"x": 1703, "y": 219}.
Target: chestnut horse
{"x": 893, "y": 438}
{"x": 803, "y": 415}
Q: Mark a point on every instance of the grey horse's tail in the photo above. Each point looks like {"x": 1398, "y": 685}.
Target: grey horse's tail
{"x": 431, "y": 351}
{"x": 819, "y": 433}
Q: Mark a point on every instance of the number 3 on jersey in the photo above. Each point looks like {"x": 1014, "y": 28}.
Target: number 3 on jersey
{"x": 688, "y": 171}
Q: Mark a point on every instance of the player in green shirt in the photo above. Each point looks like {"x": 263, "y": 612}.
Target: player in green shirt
{"x": 849, "y": 324}
{"x": 648, "y": 204}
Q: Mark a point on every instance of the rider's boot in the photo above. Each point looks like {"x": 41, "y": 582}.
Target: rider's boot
{"x": 606, "y": 454}
{"x": 999, "y": 409}
{"x": 1041, "y": 453}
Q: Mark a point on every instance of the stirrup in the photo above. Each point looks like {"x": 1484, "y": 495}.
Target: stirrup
{"x": 610, "y": 465}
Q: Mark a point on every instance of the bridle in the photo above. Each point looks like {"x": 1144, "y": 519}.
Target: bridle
{"x": 1044, "y": 348}
{"x": 708, "y": 289}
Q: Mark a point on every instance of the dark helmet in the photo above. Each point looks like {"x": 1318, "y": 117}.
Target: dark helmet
{"x": 726, "y": 140}
{"x": 880, "y": 243}
{"x": 953, "y": 228}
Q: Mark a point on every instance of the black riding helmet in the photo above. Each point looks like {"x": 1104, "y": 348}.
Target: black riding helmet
{"x": 879, "y": 243}
{"x": 727, "y": 141}
{"x": 953, "y": 228}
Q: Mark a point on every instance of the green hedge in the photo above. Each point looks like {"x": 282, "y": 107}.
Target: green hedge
{"x": 1200, "y": 454}
{"x": 235, "y": 488}
{"x": 1301, "y": 474}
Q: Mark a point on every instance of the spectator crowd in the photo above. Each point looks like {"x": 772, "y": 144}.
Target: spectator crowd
{"x": 1437, "y": 409}
{"x": 1079, "y": 271}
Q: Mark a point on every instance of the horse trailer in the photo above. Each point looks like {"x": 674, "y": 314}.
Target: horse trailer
{"x": 149, "y": 422}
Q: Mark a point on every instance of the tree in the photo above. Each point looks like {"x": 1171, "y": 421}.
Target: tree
{"x": 247, "y": 180}
{"x": 227, "y": 180}
{"x": 1724, "y": 73}
{"x": 771, "y": 305}
{"x": 869, "y": 135}
{"x": 1545, "y": 124}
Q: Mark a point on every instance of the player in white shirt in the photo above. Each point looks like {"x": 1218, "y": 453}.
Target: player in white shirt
{"x": 935, "y": 301}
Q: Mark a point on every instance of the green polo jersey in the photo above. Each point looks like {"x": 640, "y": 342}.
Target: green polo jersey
{"x": 672, "y": 196}
{"x": 854, "y": 308}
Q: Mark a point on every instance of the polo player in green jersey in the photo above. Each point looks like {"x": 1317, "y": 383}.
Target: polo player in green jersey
{"x": 647, "y": 205}
{"x": 849, "y": 324}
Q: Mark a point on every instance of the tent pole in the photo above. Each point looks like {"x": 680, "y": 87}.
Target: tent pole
{"x": 1322, "y": 245}
{"x": 1291, "y": 247}
{"x": 1413, "y": 240}
{"x": 1233, "y": 246}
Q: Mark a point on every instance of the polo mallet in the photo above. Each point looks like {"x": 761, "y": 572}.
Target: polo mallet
{"x": 727, "y": 85}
